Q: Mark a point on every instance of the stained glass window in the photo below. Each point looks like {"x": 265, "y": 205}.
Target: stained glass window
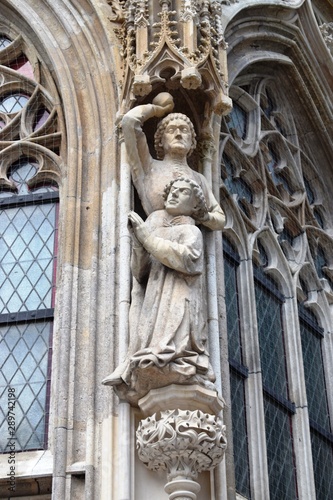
{"x": 28, "y": 220}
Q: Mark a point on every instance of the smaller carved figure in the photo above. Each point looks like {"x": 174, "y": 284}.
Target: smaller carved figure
{"x": 168, "y": 332}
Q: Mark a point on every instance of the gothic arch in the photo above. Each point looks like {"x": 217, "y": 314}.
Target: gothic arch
{"x": 72, "y": 43}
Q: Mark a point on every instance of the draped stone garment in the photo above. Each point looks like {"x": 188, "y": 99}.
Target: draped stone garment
{"x": 167, "y": 327}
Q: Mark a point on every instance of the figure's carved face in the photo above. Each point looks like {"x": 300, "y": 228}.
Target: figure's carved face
{"x": 177, "y": 137}
{"x": 181, "y": 199}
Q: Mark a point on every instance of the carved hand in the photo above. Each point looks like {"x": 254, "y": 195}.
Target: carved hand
{"x": 138, "y": 226}
{"x": 163, "y": 104}
{"x": 201, "y": 215}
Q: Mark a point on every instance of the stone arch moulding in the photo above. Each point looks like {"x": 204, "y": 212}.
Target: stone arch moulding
{"x": 73, "y": 51}
{"x": 291, "y": 46}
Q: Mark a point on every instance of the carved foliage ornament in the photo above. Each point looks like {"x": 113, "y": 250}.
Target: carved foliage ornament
{"x": 182, "y": 442}
{"x": 326, "y": 30}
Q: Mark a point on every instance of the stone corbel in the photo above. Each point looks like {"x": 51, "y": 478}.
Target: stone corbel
{"x": 184, "y": 436}
{"x": 190, "y": 78}
{"x": 141, "y": 85}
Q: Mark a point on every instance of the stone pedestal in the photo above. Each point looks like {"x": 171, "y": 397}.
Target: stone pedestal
{"x": 182, "y": 489}
{"x": 183, "y": 435}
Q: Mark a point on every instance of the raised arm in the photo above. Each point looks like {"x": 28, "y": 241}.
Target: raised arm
{"x": 135, "y": 140}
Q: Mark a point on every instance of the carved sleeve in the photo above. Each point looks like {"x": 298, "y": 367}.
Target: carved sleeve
{"x": 183, "y": 256}
{"x": 216, "y": 220}
{"x": 140, "y": 263}
{"x": 135, "y": 140}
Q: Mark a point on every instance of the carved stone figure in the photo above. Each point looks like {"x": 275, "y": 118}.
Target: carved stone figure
{"x": 168, "y": 332}
{"x": 174, "y": 142}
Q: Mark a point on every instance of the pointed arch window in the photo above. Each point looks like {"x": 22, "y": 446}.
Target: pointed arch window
{"x": 28, "y": 248}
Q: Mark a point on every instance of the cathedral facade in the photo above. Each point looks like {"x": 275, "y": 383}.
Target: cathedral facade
{"x": 169, "y": 353}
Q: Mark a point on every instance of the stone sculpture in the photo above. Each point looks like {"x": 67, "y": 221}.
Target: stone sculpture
{"x": 168, "y": 332}
{"x": 167, "y": 359}
{"x": 174, "y": 142}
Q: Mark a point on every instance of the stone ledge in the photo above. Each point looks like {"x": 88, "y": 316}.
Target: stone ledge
{"x": 181, "y": 397}
{"x": 28, "y": 464}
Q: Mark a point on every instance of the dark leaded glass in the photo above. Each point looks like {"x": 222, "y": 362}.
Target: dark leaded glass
{"x": 21, "y": 172}
{"x": 281, "y": 467}
{"x": 286, "y": 235}
{"x": 236, "y": 185}
{"x": 27, "y": 276}
{"x": 314, "y": 376}
{"x": 318, "y": 217}
{"x": 320, "y": 262}
{"x": 309, "y": 191}
{"x": 268, "y": 106}
{"x": 24, "y": 358}
{"x": 322, "y": 456}
{"x": 231, "y": 300}
{"x": 240, "y": 440}
{"x": 277, "y": 177}
{"x": 278, "y": 409}
{"x": 40, "y": 118}
{"x": 321, "y": 437}
{"x": 4, "y": 41}
{"x": 271, "y": 340}
{"x": 238, "y": 121}
{"x": 237, "y": 371}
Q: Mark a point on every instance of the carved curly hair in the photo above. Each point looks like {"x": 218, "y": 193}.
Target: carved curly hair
{"x": 201, "y": 208}
{"x": 161, "y": 128}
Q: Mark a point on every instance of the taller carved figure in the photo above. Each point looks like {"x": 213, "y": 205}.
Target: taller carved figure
{"x": 174, "y": 142}
{"x": 167, "y": 321}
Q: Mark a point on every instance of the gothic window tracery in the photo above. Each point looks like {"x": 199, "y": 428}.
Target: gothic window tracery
{"x": 292, "y": 232}
{"x": 30, "y": 168}
{"x": 237, "y": 121}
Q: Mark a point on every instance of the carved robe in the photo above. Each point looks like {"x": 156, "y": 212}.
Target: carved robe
{"x": 168, "y": 332}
